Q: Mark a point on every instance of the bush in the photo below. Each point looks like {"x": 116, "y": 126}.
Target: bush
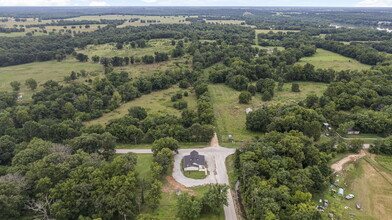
{"x": 252, "y": 89}
{"x": 244, "y": 97}
{"x": 138, "y": 112}
{"x": 266, "y": 96}
{"x": 184, "y": 84}
{"x": 176, "y": 97}
{"x": 295, "y": 87}
{"x": 180, "y": 105}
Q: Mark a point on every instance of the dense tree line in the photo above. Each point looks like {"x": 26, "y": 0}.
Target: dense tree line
{"x": 10, "y": 30}
{"x": 360, "y": 34}
{"x": 77, "y": 22}
{"x": 277, "y": 175}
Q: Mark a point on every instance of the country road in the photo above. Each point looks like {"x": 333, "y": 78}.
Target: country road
{"x": 215, "y": 158}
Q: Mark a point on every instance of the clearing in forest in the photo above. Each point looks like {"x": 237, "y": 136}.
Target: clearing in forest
{"x": 230, "y": 116}
{"x": 110, "y": 50}
{"x": 325, "y": 59}
{"x": 370, "y": 180}
{"x": 157, "y": 102}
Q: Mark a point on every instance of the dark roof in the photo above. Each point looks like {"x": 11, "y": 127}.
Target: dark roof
{"x": 194, "y": 159}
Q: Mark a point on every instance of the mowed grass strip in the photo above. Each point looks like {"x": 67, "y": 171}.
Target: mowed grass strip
{"x": 230, "y": 116}
{"x": 325, "y": 59}
{"x": 157, "y": 102}
{"x": 143, "y": 166}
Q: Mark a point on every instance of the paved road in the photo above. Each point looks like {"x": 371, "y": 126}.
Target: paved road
{"x": 136, "y": 151}
{"x": 215, "y": 158}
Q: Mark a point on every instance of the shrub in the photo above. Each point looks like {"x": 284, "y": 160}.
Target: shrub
{"x": 295, "y": 87}
{"x": 244, "y": 97}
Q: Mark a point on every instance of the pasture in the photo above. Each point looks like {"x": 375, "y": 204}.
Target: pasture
{"x": 238, "y": 22}
{"x": 325, "y": 59}
{"x": 159, "y": 19}
{"x": 230, "y": 116}
{"x": 42, "y": 72}
{"x": 54, "y": 70}
{"x": 110, "y": 50}
{"x": 359, "y": 178}
{"x": 157, "y": 102}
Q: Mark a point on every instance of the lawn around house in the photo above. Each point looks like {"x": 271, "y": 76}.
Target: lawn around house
{"x": 325, "y": 59}
{"x": 195, "y": 174}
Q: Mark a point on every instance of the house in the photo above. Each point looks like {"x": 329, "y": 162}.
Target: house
{"x": 194, "y": 161}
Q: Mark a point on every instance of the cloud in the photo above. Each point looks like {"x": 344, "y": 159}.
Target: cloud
{"x": 375, "y": 3}
{"x": 35, "y": 3}
{"x": 96, "y": 3}
{"x": 150, "y": 1}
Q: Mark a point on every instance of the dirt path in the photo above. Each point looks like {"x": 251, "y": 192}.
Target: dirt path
{"x": 214, "y": 141}
{"x": 338, "y": 166}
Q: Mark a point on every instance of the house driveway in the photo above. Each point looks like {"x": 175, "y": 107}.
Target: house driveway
{"x": 215, "y": 158}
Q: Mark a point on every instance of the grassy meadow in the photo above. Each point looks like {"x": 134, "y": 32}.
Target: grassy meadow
{"x": 231, "y": 117}
{"x": 370, "y": 180}
{"x": 157, "y": 102}
{"x": 110, "y": 50}
{"x": 42, "y": 72}
{"x": 325, "y": 59}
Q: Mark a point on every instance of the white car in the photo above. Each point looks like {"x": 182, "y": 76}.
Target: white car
{"x": 350, "y": 196}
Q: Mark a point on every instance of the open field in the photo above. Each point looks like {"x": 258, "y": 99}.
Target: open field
{"x": 269, "y": 47}
{"x": 230, "y": 115}
{"x": 239, "y": 22}
{"x": 161, "y": 19}
{"x": 42, "y": 72}
{"x": 157, "y": 102}
{"x": 325, "y": 59}
{"x": 265, "y": 31}
{"x": 110, "y": 50}
{"x": 360, "y": 177}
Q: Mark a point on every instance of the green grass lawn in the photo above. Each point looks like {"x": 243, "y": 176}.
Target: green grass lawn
{"x": 43, "y": 71}
{"x": 368, "y": 181}
{"x": 231, "y": 170}
{"x": 363, "y": 136}
{"x": 143, "y": 165}
{"x": 385, "y": 162}
{"x": 110, "y": 50}
{"x": 325, "y": 59}
{"x": 195, "y": 174}
{"x": 155, "y": 103}
{"x": 167, "y": 208}
{"x": 230, "y": 116}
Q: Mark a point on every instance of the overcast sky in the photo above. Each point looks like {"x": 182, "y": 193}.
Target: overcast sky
{"x": 334, "y": 3}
